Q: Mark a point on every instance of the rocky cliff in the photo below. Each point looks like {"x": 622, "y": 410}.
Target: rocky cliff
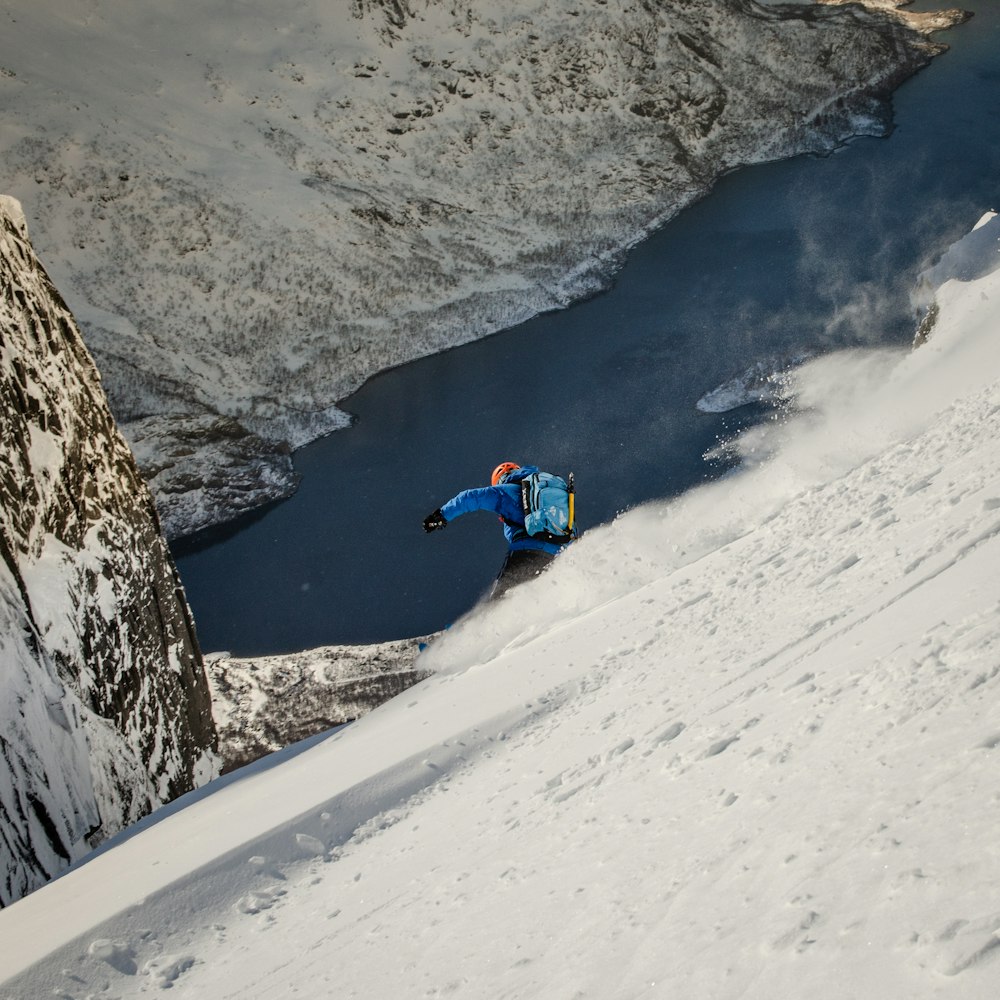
{"x": 264, "y": 703}
{"x": 104, "y": 705}
{"x": 252, "y": 217}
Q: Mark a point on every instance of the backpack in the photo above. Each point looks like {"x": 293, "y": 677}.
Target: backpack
{"x": 547, "y": 502}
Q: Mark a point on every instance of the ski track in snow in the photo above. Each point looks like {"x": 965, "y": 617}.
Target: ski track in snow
{"x": 759, "y": 763}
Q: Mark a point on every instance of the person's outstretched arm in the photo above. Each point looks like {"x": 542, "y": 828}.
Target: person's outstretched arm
{"x": 481, "y": 498}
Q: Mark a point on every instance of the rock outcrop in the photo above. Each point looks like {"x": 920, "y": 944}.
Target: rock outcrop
{"x": 105, "y": 710}
{"x": 264, "y": 703}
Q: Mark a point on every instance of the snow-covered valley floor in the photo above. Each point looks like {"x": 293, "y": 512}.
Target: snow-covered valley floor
{"x": 743, "y": 745}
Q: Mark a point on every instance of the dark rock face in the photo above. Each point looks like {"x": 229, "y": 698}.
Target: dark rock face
{"x": 106, "y": 710}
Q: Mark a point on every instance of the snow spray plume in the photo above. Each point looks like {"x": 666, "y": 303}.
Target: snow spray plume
{"x": 839, "y": 422}
{"x": 862, "y": 291}
{"x": 848, "y": 407}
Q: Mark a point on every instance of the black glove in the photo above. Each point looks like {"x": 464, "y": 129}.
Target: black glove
{"x": 435, "y": 521}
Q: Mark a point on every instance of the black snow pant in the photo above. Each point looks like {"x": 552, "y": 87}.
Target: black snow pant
{"x": 519, "y": 566}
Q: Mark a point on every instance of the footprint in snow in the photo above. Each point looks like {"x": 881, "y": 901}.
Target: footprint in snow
{"x": 165, "y": 970}
{"x": 721, "y": 745}
{"x": 617, "y": 751}
{"x": 258, "y": 900}
{"x": 117, "y": 954}
{"x": 800, "y": 936}
{"x": 310, "y": 846}
{"x": 266, "y": 867}
{"x": 669, "y": 734}
{"x": 966, "y": 944}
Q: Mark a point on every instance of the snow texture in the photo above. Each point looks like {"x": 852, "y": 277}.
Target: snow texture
{"x": 766, "y": 381}
{"x": 105, "y": 711}
{"x": 741, "y": 745}
{"x": 252, "y": 207}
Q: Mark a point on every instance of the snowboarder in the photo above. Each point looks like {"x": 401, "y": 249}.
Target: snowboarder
{"x": 528, "y": 554}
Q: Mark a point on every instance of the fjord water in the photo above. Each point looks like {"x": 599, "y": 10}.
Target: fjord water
{"x": 803, "y": 255}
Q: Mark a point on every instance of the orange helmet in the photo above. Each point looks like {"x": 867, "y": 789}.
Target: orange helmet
{"x": 502, "y": 471}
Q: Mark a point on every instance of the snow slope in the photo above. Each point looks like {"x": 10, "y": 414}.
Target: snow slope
{"x": 741, "y": 745}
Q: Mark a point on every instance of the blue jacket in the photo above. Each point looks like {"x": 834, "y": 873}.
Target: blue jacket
{"x": 504, "y": 500}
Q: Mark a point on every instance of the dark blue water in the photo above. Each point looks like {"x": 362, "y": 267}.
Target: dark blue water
{"x": 802, "y": 255}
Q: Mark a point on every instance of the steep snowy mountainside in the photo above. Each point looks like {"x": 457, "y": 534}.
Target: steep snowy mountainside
{"x": 105, "y": 709}
{"x": 735, "y": 747}
{"x": 253, "y": 207}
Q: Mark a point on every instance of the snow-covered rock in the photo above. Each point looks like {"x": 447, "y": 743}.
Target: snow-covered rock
{"x": 973, "y": 256}
{"x": 253, "y": 207}
{"x": 204, "y": 468}
{"x": 976, "y": 254}
{"x": 105, "y": 710}
{"x": 264, "y": 703}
